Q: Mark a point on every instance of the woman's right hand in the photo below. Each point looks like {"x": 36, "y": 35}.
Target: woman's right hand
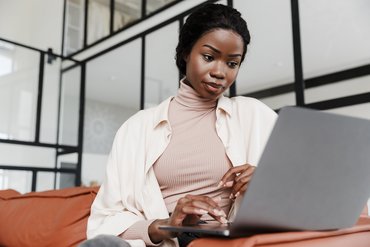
{"x": 188, "y": 210}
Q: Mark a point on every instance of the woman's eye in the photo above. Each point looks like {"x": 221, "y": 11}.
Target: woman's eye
{"x": 208, "y": 58}
{"x": 232, "y": 64}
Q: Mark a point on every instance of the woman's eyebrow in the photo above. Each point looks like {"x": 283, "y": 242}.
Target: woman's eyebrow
{"x": 219, "y": 52}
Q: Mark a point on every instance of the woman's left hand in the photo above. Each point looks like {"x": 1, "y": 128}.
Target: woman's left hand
{"x": 238, "y": 179}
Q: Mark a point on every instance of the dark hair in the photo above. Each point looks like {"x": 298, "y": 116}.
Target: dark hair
{"x": 205, "y": 19}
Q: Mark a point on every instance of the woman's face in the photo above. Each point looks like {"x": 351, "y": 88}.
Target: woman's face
{"x": 213, "y": 63}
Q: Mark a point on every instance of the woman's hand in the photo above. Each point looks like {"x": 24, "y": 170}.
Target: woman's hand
{"x": 188, "y": 210}
{"x": 238, "y": 179}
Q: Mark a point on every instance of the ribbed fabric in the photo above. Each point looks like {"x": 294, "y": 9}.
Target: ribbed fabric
{"x": 195, "y": 159}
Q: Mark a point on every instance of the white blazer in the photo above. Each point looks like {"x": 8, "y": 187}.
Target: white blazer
{"x": 131, "y": 193}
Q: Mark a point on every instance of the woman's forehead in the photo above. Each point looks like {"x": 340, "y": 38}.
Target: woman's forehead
{"x": 223, "y": 39}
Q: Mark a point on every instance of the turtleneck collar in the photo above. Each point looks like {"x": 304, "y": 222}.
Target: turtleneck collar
{"x": 188, "y": 97}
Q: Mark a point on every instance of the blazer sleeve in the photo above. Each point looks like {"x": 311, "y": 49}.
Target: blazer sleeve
{"x": 111, "y": 212}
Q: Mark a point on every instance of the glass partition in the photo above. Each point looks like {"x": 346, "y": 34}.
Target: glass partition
{"x": 339, "y": 89}
{"x": 153, "y": 5}
{"x": 360, "y": 111}
{"x": 335, "y": 35}
{"x": 69, "y": 107}
{"x": 45, "y": 181}
{"x": 64, "y": 180}
{"x": 113, "y": 88}
{"x": 279, "y": 101}
{"x": 19, "y": 73}
{"x": 113, "y": 83}
{"x": 49, "y": 108}
{"x": 161, "y": 73}
{"x": 16, "y": 180}
{"x": 98, "y": 20}
{"x": 269, "y": 59}
{"x": 74, "y": 26}
{"x": 126, "y": 12}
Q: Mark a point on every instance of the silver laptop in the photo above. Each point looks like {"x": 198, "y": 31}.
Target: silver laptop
{"x": 314, "y": 174}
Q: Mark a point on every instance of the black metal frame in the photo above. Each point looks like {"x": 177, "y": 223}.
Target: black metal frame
{"x": 60, "y": 149}
{"x": 112, "y": 32}
{"x": 298, "y": 86}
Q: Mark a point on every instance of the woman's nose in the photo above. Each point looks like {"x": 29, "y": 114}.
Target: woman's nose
{"x": 218, "y": 70}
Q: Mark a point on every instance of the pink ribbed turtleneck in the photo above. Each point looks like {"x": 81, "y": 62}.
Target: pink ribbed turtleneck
{"x": 195, "y": 159}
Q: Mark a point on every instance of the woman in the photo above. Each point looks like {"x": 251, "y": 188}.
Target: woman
{"x": 190, "y": 157}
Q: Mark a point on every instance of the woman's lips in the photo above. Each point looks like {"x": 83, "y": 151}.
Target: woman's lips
{"x": 214, "y": 87}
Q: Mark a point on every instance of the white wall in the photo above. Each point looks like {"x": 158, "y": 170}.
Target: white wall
{"x": 36, "y": 23}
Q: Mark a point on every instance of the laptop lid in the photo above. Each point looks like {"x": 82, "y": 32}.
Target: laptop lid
{"x": 314, "y": 173}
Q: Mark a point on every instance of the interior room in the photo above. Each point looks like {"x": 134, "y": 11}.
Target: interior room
{"x": 73, "y": 71}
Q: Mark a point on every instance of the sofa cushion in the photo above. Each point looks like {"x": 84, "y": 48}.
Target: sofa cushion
{"x": 49, "y": 218}
{"x": 5, "y": 194}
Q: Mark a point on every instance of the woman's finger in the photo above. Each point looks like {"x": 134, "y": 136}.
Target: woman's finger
{"x": 228, "y": 179}
{"x": 207, "y": 208}
{"x": 197, "y": 205}
{"x": 205, "y": 199}
{"x": 246, "y": 173}
{"x": 240, "y": 187}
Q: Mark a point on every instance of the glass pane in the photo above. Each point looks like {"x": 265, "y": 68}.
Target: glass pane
{"x": 67, "y": 180}
{"x": 64, "y": 180}
{"x": 338, "y": 90}
{"x": 69, "y": 107}
{"x": 23, "y": 155}
{"x": 335, "y": 35}
{"x": 74, "y": 28}
{"x": 360, "y": 111}
{"x": 49, "y": 109}
{"x": 154, "y": 5}
{"x": 160, "y": 54}
{"x": 112, "y": 95}
{"x": 126, "y": 12}
{"x": 93, "y": 168}
{"x": 279, "y": 101}
{"x": 45, "y": 181}
{"x": 98, "y": 20}
{"x": 269, "y": 59}
{"x": 18, "y": 92}
{"x": 20, "y": 181}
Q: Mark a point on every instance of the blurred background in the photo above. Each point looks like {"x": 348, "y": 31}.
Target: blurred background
{"x": 72, "y": 71}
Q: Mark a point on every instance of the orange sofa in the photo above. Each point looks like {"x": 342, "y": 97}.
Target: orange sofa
{"x": 50, "y": 218}
{"x": 59, "y": 218}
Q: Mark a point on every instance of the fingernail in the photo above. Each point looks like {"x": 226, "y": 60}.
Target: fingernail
{"x": 223, "y": 213}
{"x": 220, "y": 184}
{"x": 237, "y": 194}
{"x": 218, "y": 199}
{"x": 229, "y": 184}
{"x": 231, "y": 196}
{"x": 219, "y": 212}
{"x": 223, "y": 220}
{"x": 202, "y": 211}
